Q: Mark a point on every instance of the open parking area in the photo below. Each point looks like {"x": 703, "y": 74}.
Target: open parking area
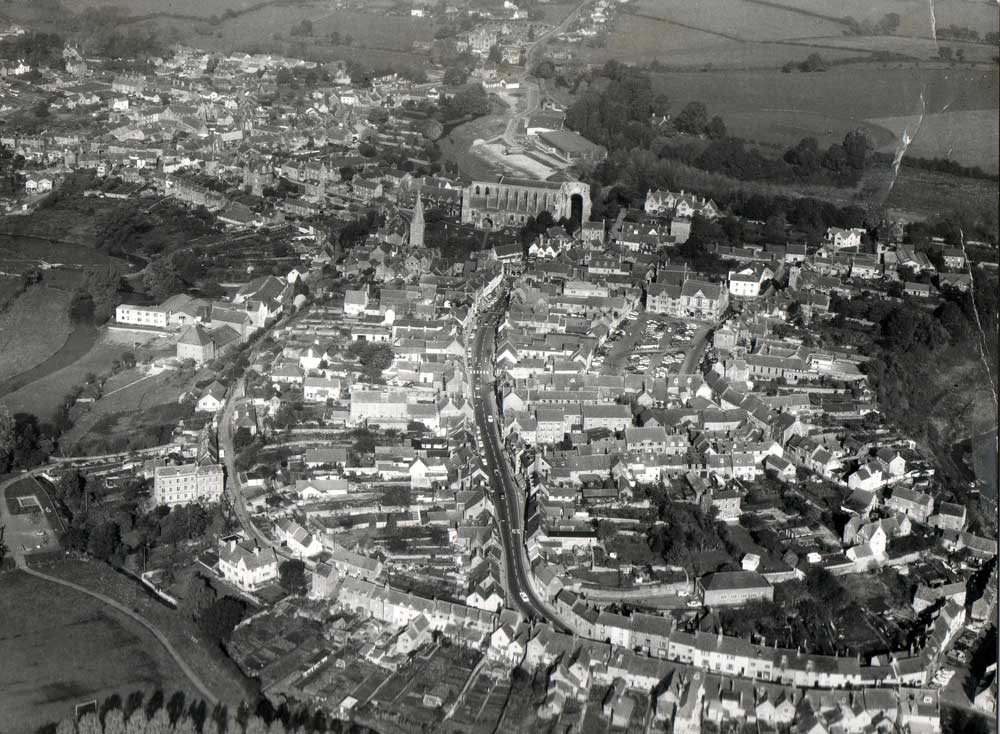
{"x": 32, "y": 523}
{"x": 649, "y": 344}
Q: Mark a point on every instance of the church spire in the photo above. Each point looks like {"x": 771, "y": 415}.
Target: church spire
{"x": 417, "y": 224}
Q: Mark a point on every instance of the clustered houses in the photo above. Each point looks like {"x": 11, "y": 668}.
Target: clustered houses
{"x": 388, "y": 361}
{"x": 208, "y": 329}
{"x": 695, "y": 678}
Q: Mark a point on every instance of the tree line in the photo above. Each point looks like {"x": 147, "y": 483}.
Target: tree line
{"x": 137, "y": 714}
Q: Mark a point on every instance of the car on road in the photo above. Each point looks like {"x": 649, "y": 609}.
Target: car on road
{"x": 694, "y": 603}
{"x": 524, "y": 597}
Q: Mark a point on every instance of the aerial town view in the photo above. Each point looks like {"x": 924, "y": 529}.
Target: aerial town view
{"x": 499, "y": 366}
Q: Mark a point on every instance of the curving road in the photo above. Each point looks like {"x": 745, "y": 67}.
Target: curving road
{"x": 22, "y": 564}
{"x": 507, "y": 496}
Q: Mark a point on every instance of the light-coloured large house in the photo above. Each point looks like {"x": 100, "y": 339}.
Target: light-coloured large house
{"x": 182, "y": 485}
{"x": 246, "y": 565}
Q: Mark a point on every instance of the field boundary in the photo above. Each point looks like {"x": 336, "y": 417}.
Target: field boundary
{"x": 189, "y": 673}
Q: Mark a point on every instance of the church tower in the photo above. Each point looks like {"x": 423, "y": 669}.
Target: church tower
{"x": 417, "y": 224}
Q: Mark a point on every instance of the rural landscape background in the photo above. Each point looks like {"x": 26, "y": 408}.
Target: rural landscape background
{"x": 775, "y": 72}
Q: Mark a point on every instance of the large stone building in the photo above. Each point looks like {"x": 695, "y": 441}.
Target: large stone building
{"x": 182, "y": 485}
{"x": 509, "y": 202}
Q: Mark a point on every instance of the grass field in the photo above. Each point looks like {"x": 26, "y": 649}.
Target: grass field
{"x": 970, "y": 137}
{"x": 200, "y": 8}
{"x": 738, "y": 19}
{"x": 914, "y": 17}
{"x": 32, "y": 329}
{"x": 783, "y": 108}
{"x": 211, "y": 664}
{"x": 120, "y": 412}
{"x": 60, "y": 648}
{"x": 917, "y": 193}
{"x": 34, "y": 250}
{"x": 44, "y": 396}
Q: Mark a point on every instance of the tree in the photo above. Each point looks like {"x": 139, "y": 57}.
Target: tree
{"x": 292, "y": 576}
{"x": 220, "y": 619}
{"x": 7, "y": 438}
{"x": 495, "y": 54}
{"x": 661, "y": 105}
{"x": 716, "y": 128}
{"x": 945, "y": 53}
{"x": 103, "y": 541}
{"x": 774, "y": 229}
{"x": 692, "y": 119}
{"x": 456, "y": 76}
{"x": 544, "y": 70}
{"x": 161, "y": 279}
{"x": 858, "y": 146}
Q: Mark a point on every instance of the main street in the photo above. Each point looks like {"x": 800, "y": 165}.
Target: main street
{"x": 234, "y": 489}
{"x": 507, "y": 501}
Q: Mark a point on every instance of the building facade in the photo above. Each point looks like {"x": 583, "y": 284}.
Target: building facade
{"x": 182, "y": 485}
{"x": 509, "y": 202}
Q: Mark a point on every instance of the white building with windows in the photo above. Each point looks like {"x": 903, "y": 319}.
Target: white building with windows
{"x": 182, "y": 485}
{"x": 246, "y": 565}
{"x": 148, "y": 316}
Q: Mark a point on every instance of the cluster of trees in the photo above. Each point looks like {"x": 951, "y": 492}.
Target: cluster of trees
{"x": 945, "y": 165}
{"x": 305, "y": 28}
{"x": 113, "y": 530}
{"x": 952, "y": 32}
{"x": 621, "y": 112}
{"x": 127, "y": 228}
{"x": 841, "y": 163}
{"x": 157, "y": 715}
{"x": 911, "y": 344}
{"x": 803, "y": 611}
{"x": 215, "y": 614}
{"x": 95, "y": 300}
{"x": 355, "y": 232}
{"x": 470, "y": 101}
{"x": 813, "y": 62}
{"x": 685, "y": 533}
{"x": 19, "y": 285}
{"x": 24, "y": 441}
{"x": 35, "y": 49}
{"x": 884, "y": 26}
{"x": 374, "y": 358}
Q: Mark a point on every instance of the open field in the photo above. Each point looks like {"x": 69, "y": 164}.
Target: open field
{"x": 127, "y": 396}
{"x": 199, "y": 8}
{"x": 970, "y": 137}
{"x": 917, "y": 194}
{"x": 44, "y": 396}
{"x": 35, "y": 251}
{"x": 212, "y": 665}
{"x": 32, "y": 329}
{"x": 917, "y": 48}
{"x": 754, "y": 34}
{"x": 60, "y": 648}
{"x": 739, "y": 20}
{"x": 914, "y": 17}
{"x": 782, "y": 108}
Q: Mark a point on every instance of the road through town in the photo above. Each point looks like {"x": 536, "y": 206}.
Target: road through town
{"x": 507, "y": 495}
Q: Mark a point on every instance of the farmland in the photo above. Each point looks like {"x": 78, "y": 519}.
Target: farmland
{"x": 130, "y": 402}
{"x": 210, "y": 662}
{"x": 828, "y": 104}
{"x": 61, "y": 648}
{"x": 916, "y": 193}
{"x": 747, "y": 34}
{"x": 36, "y": 306}
{"x": 44, "y": 395}
{"x": 969, "y": 137}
